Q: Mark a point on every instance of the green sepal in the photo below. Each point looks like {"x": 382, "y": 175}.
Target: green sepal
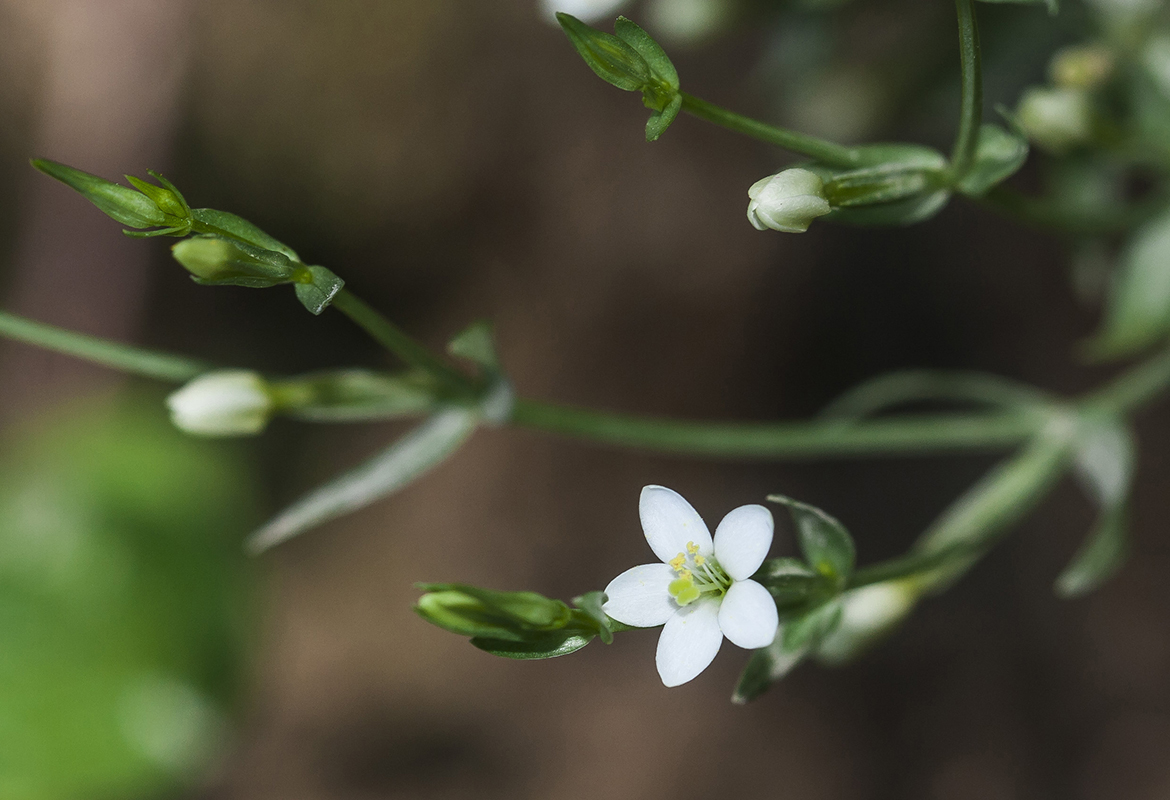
{"x": 999, "y": 154}
{"x": 231, "y": 226}
{"x": 476, "y": 344}
{"x": 169, "y": 201}
{"x": 1137, "y": 310}
{"x": 176, "y": 231}
{"x": 825, "y": 543}
{"x": 805, "y": 631}
{"x": 549, "y": 645}
{"x": 590, "y": 604}
{"x": 891, "y": 184}
{"x": 317, "y": 293}
{"x": 530, "y": 610}
{"x": 127, "y": 206}
{"x": 613, "y": 60}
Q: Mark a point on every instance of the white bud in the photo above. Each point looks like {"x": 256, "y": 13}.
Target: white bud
{"x": 1056, "y": 119}
{"x": 225, "y": 403}
{"x": 787, "y": 201}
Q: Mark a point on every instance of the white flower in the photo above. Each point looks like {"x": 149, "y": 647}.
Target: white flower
{"x": 787, "y": 201}
{"x": 702, "y": 590}
{"x": 225, "y": 403}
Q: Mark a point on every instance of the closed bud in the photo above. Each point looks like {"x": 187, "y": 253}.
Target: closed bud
{"x": 510, "y": 616}
{"x": 215, "y": 261}
{"x": 787, "y": 201}
{"x": 225, "y": 403}
{"x": 1056, "y": 119}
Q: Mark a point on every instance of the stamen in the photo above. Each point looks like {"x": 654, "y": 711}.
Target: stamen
{"x": 699, "y": 561}
{"x": 677, "y": 562}
{"x": 692, "y": 548}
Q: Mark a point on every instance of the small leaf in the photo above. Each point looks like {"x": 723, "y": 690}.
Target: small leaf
{"x": 789, "y": 580}
{"x": 892, "y": 184}
{"x": 766, "y": 666}
{"x": 551, "y": 645}
{"x": 998, "y": 155}
{"x": 114, "y": 200}
{"x": 529, "y": 609}
{"x": 231, "y": 226}
{"x": 394, "y": 468}
{"x": 354, "y": 395}
{"x": 477, "y": 346}
{"x": 612, "y": 59}
{"x": 1099, "y": 557}
{"x": 590, "y": 603}
{"x": 660, "y": 64}
{"x": 826, "y": 545}
{"x": 806, "y": 631}
{"x": 660, "y": 120}
{"x": 917, "y": 386}
{"x": 318, "y": 294}
{"x": 1137, "y": 312}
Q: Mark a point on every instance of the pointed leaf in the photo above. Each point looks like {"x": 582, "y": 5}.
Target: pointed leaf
{"x": 1137, "y": 312}
{"x": 550, "y": 645}
{"x": 396, "y": 467}
{"x": 317, "y": 295}
{"x": 590, "y": 603}
{"x": 660, "y": 64}
{"x": 998, "y": 155}
{"x": 123, "y": 204}
{"x": 477, "y": 345}
{"x": 660, "y": 120}
{"x": 826, "y": 545}
{"x": 231, "y": 226}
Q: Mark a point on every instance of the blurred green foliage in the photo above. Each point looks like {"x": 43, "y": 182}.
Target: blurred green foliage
{"x": 124, "y": 602}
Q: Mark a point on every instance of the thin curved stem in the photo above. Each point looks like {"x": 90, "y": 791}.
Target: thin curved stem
{"x": 971, "y": 103}
{"x": 820, "y": 149}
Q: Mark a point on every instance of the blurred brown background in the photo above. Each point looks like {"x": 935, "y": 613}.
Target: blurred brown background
{"x": 454, "y": 160}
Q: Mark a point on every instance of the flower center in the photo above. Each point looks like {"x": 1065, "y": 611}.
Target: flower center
{"x": 697, "y": 575}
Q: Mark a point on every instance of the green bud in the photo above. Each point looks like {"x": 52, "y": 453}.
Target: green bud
{"x": 220, "y": 262}
{"x": 509, "y": 616}
{"x": 612, "y": 59}
{"x": 131, "y": 208}
{"x": 1086, "y": 66}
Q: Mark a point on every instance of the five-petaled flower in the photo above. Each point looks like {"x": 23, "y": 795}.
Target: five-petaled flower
{"x": 702, "y": 590}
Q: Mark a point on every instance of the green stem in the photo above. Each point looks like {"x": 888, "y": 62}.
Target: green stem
{"x": 920, "y": 434}
{"x": 397, "y": 341}
{"x": 971, "y": 103}
{"x": 820, "y": 149}
{"x": 136, "y": 361}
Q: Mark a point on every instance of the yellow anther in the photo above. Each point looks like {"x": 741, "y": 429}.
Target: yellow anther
{"x": 684, "y": 574}
{"x": 692, "y": 548}
{"x": 699, "y": 560}
{"x": 677, "y": 561}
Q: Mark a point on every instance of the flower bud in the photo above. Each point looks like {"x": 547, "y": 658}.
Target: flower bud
{"x": 215, "y": 261}
{"x": 1056, "y": 119}
{"x": 471, "y": 611}
{"x": 787, "y": 201}
{"x": 225, "y": 403}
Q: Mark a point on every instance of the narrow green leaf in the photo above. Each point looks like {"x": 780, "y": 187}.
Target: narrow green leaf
{"x": 612, "y": 59}
{"x": 1099, "y": 557}
{"x": 1137, "y": 311}
{"x": 125, "y": 205}
{"x": 805, "y": 631}
{"x": 319, "y": 293}
{"x": 917, "y": 386}
{"x": 790, "y": 581}
{"x": 998, "y": 155}
{"x": 766, "y": 666}
{"x": 551, "y": 645}
{"x": 590, "y": 603}
{"x": 396, "y": 467}
{"x": 231, "y": 226}
{"x": 353, "y": 395}
{"x": 656, "y": 58}
{"x": 533, "y": 610}
{"x": 826, "y": 545}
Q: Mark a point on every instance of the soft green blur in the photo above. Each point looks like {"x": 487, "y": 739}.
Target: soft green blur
{"x": 124, "y": 602}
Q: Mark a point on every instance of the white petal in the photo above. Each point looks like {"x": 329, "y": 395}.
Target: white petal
{"x": 748, "y": 615}
{"x": 670, "y": 523}
{"x": 689, "y": 642}
{"x": 639, "y": 596}
{"x": 743, "y": 539}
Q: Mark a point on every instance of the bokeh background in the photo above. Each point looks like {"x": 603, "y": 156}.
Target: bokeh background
{"x": 454, "y": 160}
